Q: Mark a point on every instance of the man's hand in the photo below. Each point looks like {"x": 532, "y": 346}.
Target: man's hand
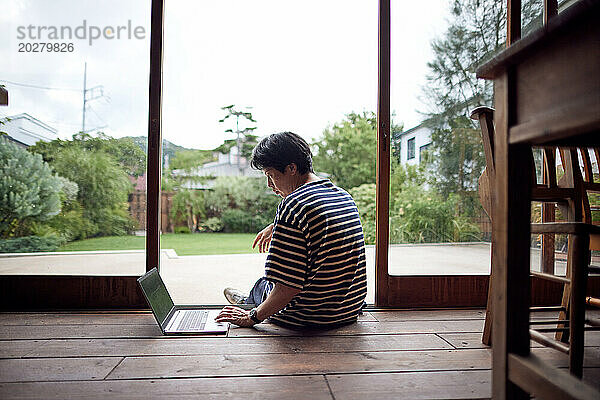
{"x": 235, "y": 315}
{"x": 263, "y": 239}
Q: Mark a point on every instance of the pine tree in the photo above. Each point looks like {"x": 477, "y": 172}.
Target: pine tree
{"x": 29, "y": 191}
{"x": 476, "y": 31}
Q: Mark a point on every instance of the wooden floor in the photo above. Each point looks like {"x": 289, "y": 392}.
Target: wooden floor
{"x": 387, "y": 354}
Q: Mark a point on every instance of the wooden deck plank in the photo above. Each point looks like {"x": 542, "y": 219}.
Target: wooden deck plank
{"x": 90, "y": 318}
{"x": 412, "y": 385}
{"x": 409, "y": 385}
{"x": 470, "y": 340}
{"x": 98, "y": 318}
{"x": 78, "y": 331}
{"x": 200, "y": 346}
{"x": 431, "y": 315}
{"x": 264, "y": 388}
{"x": 149, "y": 331}
{"x": 56, "y": 369}
{"x": 156, "y": 367}
{"x": 299, "y": 364}
{"x": 17, "y": 348}
{"x": 592, "y": 376}
{"x": 591, "y": 357}
{"x": 323, "y": 363}
{"x": 454, "y": 314}
{"x": 367, "y": 328}
{"x": 464, "y": 340}
{"x": 366, "y": 316}
{"x": 473, "y": 340}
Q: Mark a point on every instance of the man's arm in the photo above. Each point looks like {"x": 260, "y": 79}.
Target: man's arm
{"x": 279, "y": 297}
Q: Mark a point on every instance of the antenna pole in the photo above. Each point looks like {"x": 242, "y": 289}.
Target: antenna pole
{"x": 84, "y": 99}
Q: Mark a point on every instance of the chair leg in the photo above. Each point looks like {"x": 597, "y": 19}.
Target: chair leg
{"x": 563, "y": 336}
{"x": 486, "y": 337}
{"x": 580, "y": 257}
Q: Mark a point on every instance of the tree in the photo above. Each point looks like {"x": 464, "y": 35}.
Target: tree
{"x": 188, "y": 207}
{"x": 29, "y": 191}
{"x": 347, "y": 150}
{"x": 242, "y": 134}
{"x": 247, "y": 144}
{"x": 459, "y": 161}
{"x": 190, "y": 159}
{"x": 124, "y": 151}
{"x": 476, "y": 31}
{"x": 103, "y": 187}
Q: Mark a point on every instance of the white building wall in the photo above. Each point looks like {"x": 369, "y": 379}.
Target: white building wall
{"x": 422, "y": 137}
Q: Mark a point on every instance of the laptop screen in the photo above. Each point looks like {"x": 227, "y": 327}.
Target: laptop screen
{"x": 156, "y": 294}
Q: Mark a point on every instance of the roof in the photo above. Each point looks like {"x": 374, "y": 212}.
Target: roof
{"x": 31, "y": 119}
{"x": 425, "y": 124}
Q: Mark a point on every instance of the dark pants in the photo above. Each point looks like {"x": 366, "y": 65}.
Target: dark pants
{"x": 260, "y": 291}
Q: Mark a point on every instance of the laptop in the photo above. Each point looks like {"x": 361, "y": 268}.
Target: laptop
{"x": 177, "y": 320}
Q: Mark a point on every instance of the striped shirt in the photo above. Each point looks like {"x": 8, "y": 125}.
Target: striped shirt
{"x": 318, "y": 247}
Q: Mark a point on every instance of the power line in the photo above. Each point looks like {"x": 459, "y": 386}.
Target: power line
{"x": 64, "y": 123}
{"x": 99, "y": 117}
{"x": 37, "y": 86}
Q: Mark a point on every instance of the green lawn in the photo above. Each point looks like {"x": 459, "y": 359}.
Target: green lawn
{"x": 184, "y": 244}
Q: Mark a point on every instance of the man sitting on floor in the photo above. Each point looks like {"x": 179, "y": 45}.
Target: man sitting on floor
{"x": 315, "y": 275}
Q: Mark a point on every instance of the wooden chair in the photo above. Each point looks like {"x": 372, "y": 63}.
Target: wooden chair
{"x": 586, "y": 185}
{"x": 570, "y": 194}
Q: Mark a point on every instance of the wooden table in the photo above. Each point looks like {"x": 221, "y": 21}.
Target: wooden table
{"x": 547, "y": 91}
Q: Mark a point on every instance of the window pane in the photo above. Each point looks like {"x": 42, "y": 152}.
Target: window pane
{"x": 437, "y": 225}
{"x": 309, "y": 67}
{"x": 411, "y": 148}
{"x": 76, "y": 128}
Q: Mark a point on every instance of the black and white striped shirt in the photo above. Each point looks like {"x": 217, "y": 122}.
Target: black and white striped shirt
{"x": 318, "y": 247}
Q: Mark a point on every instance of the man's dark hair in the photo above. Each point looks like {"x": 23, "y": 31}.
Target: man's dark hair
{"x": 280, "y": 150}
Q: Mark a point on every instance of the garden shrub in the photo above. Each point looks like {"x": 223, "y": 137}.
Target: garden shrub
{"x": 115, "y": 222}
{"x": 364, "y": 197}
{"x": 235, "y": 220}
{"x": 417, "y": 215}
{"x": 213, "y": 224}
{"x": 71, "y": 224}
{"x": 31, "y": 244}
{"x": 182, "y": 229}
{"x": 243, "y": 204}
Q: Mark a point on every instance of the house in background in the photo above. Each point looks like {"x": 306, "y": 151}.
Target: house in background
{"x": 411, "y": 144}
{"x": 25, "y": 130}
{"x": 226, "y": 165}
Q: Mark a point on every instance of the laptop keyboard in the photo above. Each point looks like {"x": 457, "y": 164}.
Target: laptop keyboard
{"x": 193, "y": 320}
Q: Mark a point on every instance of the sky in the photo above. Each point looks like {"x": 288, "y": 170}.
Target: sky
{"x": 296, "y": 65}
